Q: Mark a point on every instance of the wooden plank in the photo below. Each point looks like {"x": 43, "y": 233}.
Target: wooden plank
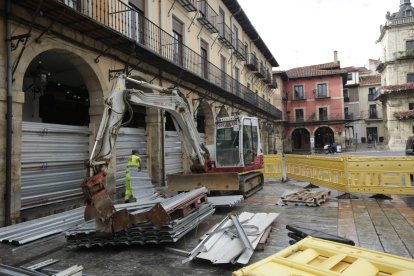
{"x": 264, "y": 239}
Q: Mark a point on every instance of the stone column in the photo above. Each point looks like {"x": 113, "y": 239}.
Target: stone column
{"x": 18, "y": 100}
{"x": 154, "y": 146}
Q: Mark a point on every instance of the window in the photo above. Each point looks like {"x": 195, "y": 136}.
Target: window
{"x": 178, "y": 41}
{"x": 322, "y": 90}
{"x": 299, "y": 115}
{"x": 349, "y": 76}
{"x": 372, "y": 111}
{"x": 409, "y": 45}
{"x": 408, "y": 13}
{"x": 410, "y": 77}
{"x": 346, "y": 95}
{"x": 235, "y": 37}
{"x": 204, "y": 59}
{"x": 371, "y": 93}
{"x": 221, "y": 22}
{"x": 298, "y": 91}
{"x": 411, "y": 106}
{"x": 136, "y": 27}
{"x": 323, "y": 114}
{"x": 237, "y": 81}
{"x": 346, "y": 110}
{"x": 223, "y": 71}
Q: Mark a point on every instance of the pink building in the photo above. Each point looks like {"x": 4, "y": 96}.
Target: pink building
{"x": 314, "y": 106}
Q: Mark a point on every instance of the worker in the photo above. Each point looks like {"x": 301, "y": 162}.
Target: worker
{"x": 134, "y": 163}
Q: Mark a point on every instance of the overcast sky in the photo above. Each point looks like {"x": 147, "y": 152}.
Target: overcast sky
{"x": 306, "y": 32}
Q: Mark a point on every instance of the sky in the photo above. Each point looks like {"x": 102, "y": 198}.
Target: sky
{"x": 307, "y": 32}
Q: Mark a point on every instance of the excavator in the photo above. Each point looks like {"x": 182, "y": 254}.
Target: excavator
{"x": 233, "y": 163}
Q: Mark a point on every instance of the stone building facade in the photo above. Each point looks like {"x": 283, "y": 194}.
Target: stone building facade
{"x": 397, "y": 75}
{"x": 63, "y": 57}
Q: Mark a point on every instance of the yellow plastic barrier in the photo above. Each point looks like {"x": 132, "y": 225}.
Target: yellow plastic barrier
{"x": 272, "y": 166}
{"x": 354, "y": 174}
{"x": 311, "y": 257}
{"x": 380, "y": 175}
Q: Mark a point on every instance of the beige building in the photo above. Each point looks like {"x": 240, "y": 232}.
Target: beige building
{"x": 61, "y": 59}
{"x": 363, "y": 112}
{"x": 397, "y": 75}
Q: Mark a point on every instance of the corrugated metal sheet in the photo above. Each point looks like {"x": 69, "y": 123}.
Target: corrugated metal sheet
{"x": 127, "y": 140}
{"x": 52, "y": 159}
{"x": 173, "y": 153}
{"x": 225, "y": 201}
{"x": 223, "y": 245}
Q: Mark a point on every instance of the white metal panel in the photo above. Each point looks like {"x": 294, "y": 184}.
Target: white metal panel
{"x": 127, "y": 140}
{"x": 173, "y": 153}
{"x": 52, "y": 162}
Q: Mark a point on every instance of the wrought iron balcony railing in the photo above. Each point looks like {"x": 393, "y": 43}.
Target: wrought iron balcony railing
{"x": 313, "y": 118}
{"x": 252, "y": 62}
{"x": 349, "y": 116}
{"x": 121, "y": 26}
{"x": 371, "y": 97}
{"x": 188, "y": 5}
{"x": 226, "y": 35}
{"x": 207, "y": 16}
{"x": 240, "y": 49}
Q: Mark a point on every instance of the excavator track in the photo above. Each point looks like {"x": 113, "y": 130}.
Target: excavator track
{"x": 250, "y": 183}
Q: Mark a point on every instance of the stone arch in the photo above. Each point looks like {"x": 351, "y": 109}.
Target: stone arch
{"x": 300, "y": 139}
{"x": 96, "y": 83}
{"x": 323, "y": 135}
{"x": 205, "y": 120}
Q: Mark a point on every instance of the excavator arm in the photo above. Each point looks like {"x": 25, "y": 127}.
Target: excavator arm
{"x": 98, "y": 203}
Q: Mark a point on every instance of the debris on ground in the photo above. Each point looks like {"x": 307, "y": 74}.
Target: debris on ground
{"x": 234, "y": 239}
{"x": 298, "y": 233}
{"x": 304, "y": 198}
{"x": 264, "y": 239}
{"x": 40, "y": 269}
{"x": 225, "y": 201}
{"x": 166, "y": 221}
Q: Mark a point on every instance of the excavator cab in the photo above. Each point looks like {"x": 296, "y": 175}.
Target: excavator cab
{"x": 237, "y": 142}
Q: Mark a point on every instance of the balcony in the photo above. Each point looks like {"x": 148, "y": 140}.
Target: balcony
{"x": 115, "y": 26}
{"x": 371, "y": 97}
{"x": 267, "y": 79}
{"x": 225, "y": 36}
{"x": 252, "y": 62}
{"x": 261, "y": 71}
{"x": 409, "y": 54}
{"x": 240, "y": 49}
{"x": 188, "y": 5}
{"x": 349, "y": 116}
{"x": 373, "y": 116}
{"x": 207, "y": 16}
{"x": 313, "y": 119}
{"x": 273, "y": 83}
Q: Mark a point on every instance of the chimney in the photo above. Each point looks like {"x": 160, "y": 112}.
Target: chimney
{"x": 335, "y": 56}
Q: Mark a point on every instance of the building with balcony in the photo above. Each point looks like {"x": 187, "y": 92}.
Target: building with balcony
{"x": 397, "y": 75}
{"x": 362, "y": 110}
{"x": 313, "y": 106}
{"x": 64, "y": 55}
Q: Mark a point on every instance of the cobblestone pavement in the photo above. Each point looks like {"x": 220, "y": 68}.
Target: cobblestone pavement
{"x": 383, "y": 225}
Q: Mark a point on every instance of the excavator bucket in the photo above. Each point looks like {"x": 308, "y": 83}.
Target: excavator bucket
{"x": 226, "y": 181}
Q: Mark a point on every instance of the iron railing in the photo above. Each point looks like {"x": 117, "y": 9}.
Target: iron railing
{"x": 371, "y": 97}
{"x": 315, "y": 118}
{"x": 188, "y": 5}
{"x": 225, "y": 35}
{"x": 349, "y": 116}
{"x": 252, "y": 62}
{"x": 131, "y": 24}
{"x": 240, "y": 49}
{"x": 207, "y": 16}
